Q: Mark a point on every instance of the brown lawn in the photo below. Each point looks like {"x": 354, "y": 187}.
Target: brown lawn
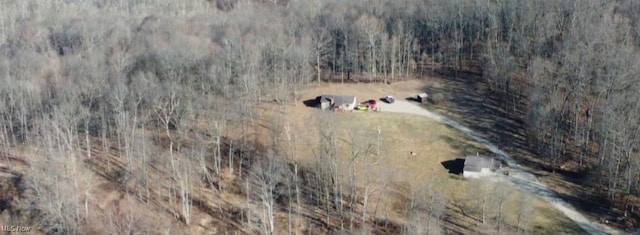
{"x": 395, "y": 173}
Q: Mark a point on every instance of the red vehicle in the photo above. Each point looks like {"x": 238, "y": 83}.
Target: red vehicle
{"x": 370, "y": 103}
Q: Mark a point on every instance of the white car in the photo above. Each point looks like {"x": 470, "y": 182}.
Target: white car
{"x": 388, "y": 99}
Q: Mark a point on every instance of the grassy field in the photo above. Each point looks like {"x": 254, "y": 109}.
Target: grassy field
{"x": 394, "y": 173}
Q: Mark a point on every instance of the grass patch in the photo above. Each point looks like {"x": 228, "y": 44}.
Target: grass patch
{"x": 394, "y": 174}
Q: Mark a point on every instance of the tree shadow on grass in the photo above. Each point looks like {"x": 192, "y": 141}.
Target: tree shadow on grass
{"x": 465, "y": 145}
{"x": 469, "y": 102}
{"x": 598, "y": 208}
{"x": 453, "y": 225}
{"x": 385, "y": 226}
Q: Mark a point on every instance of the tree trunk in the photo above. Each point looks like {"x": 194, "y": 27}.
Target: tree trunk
{"x": 393, "y": 58}
{"x": 318, "y": 63}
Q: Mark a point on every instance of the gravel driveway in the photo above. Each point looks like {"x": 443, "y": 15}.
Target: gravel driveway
{"x": 403, "y": 106}
{"x": 518, "y": 176}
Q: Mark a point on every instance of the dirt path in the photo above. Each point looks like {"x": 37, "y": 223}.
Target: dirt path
{"x": 518, "y": 176}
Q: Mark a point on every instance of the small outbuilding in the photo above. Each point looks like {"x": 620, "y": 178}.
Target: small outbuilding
{"x": 422, "y": 97}
{"x": 336, "y": 102}
{"x": 478, "y": 166}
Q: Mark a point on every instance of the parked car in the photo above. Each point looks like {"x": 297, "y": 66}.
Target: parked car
{"x": 388, "y": 99}
{"x": 370, "y": 103}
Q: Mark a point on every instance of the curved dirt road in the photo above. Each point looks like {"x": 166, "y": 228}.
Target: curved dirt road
{"x": 518, "y": 176}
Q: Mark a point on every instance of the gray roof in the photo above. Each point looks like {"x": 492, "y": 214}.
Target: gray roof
{"x": 477, "y": 163}
{"x": 338, "y": 99}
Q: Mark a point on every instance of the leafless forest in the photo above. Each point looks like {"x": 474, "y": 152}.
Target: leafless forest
{"x": 142, "y": 92}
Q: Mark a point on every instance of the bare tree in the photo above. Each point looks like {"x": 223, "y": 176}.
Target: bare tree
{"x": 329, "y": 183}
{"x": 370, "y": 28}
{"x": 427, "y": 206}
{"x": 359, "y": 149}
{"x": 292, "y": 142}
{"x": 60, "y": 182}
{"x": 525, "y": 211}
{"x": 270, "y": 178}
{"x": 185, "y": 177}
{"x": 482, "y": 200}
{"x": 501, "y": 199}
{"x": 321, "y": 40}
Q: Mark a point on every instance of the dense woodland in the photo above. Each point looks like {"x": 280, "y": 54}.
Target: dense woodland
{"x": 99, "y": 72}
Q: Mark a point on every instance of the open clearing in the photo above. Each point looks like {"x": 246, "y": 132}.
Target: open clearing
{"x": 518, "y": 176}
{"x": 397, "y": 172}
